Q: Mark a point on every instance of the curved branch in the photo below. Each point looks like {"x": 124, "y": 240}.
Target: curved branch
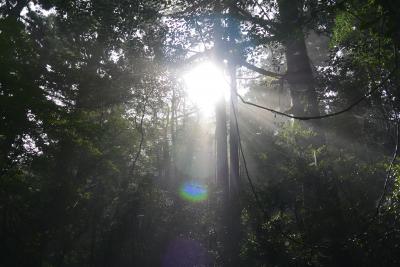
{"x": 269, "y": 25}
{"x": 304, "y": 118}
{"x": 260, "y": 70}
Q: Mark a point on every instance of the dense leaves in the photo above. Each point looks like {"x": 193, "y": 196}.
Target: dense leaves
{"x": 98, "y": 136}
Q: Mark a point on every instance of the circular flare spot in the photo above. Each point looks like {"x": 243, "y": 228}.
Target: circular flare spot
{"x": 193, "y": 192}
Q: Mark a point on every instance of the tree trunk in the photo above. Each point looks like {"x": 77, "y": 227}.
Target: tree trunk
{"x": 233, "y": 137}
{"x": 174, "y": 124}
{"x": 165, "y": 150}
{"x": 227, "y": 181}
{"x": 233, "y": 218}
{"x": 299, "y": 73}
{"x": 222, "y": 149}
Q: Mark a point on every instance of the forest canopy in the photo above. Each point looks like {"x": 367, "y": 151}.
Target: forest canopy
{"x": 199, "y": 133}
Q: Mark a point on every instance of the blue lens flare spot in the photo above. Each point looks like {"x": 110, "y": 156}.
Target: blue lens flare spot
{"x": 193, "y": 192}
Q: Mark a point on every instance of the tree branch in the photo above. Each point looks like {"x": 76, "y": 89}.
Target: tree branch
{"x": 266, "y": 24}
{"x": 198, "y": 55}
{"x": 304, "y": 118}
{"x": 260, "y": 70}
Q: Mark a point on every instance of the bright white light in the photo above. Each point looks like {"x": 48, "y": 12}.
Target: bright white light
{"x": 205, "y": 85}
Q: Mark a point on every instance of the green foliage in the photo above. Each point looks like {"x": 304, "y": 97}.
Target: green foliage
{"x": 344, "y": 27}
{"x": 316, "y": 214}
{"x": 96, "y": 136}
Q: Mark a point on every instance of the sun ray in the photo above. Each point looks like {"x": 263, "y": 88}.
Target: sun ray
{"x": 205, "y": 84}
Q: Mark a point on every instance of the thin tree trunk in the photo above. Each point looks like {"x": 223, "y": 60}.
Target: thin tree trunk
{"x": 234, "y": 205}
{"x": 173, "y": 126}
{"x": 227, "y": 224}
{"x": 166, "y": 154}
{"x": 233, "y": 137}
{"x": 220, "y": 116}
{"x": 222, "y": 149}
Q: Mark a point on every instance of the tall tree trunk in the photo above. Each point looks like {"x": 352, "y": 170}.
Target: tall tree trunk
{"x": 233, "y": 137}
{"x": 165, "y": 150}
{"x": 299, "y": 73}
{"x": 234, "y": 205}
{"x": 222, "y": 148}
{"x": 222, "y": 177}
{"x": 174, "y": 123}
{"x": 227, "y": 179}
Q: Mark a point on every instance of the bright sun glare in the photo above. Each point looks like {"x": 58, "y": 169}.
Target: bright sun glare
{"x": 205, "y": 84}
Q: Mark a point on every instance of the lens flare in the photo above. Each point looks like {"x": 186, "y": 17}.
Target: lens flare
{"x": 205, "y": 84}
{"x": 184, "y": 252}
{"x": 193, "y": 192}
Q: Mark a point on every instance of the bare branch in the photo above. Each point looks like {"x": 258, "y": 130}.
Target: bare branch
{"x": 304, "y": 118}
{"x": 260, "y": 70}
{"x": 269, "y": 25}
{"x": 198, "y": 55}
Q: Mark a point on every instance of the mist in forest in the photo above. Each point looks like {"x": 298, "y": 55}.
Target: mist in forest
{"x": 181, "y": 133}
